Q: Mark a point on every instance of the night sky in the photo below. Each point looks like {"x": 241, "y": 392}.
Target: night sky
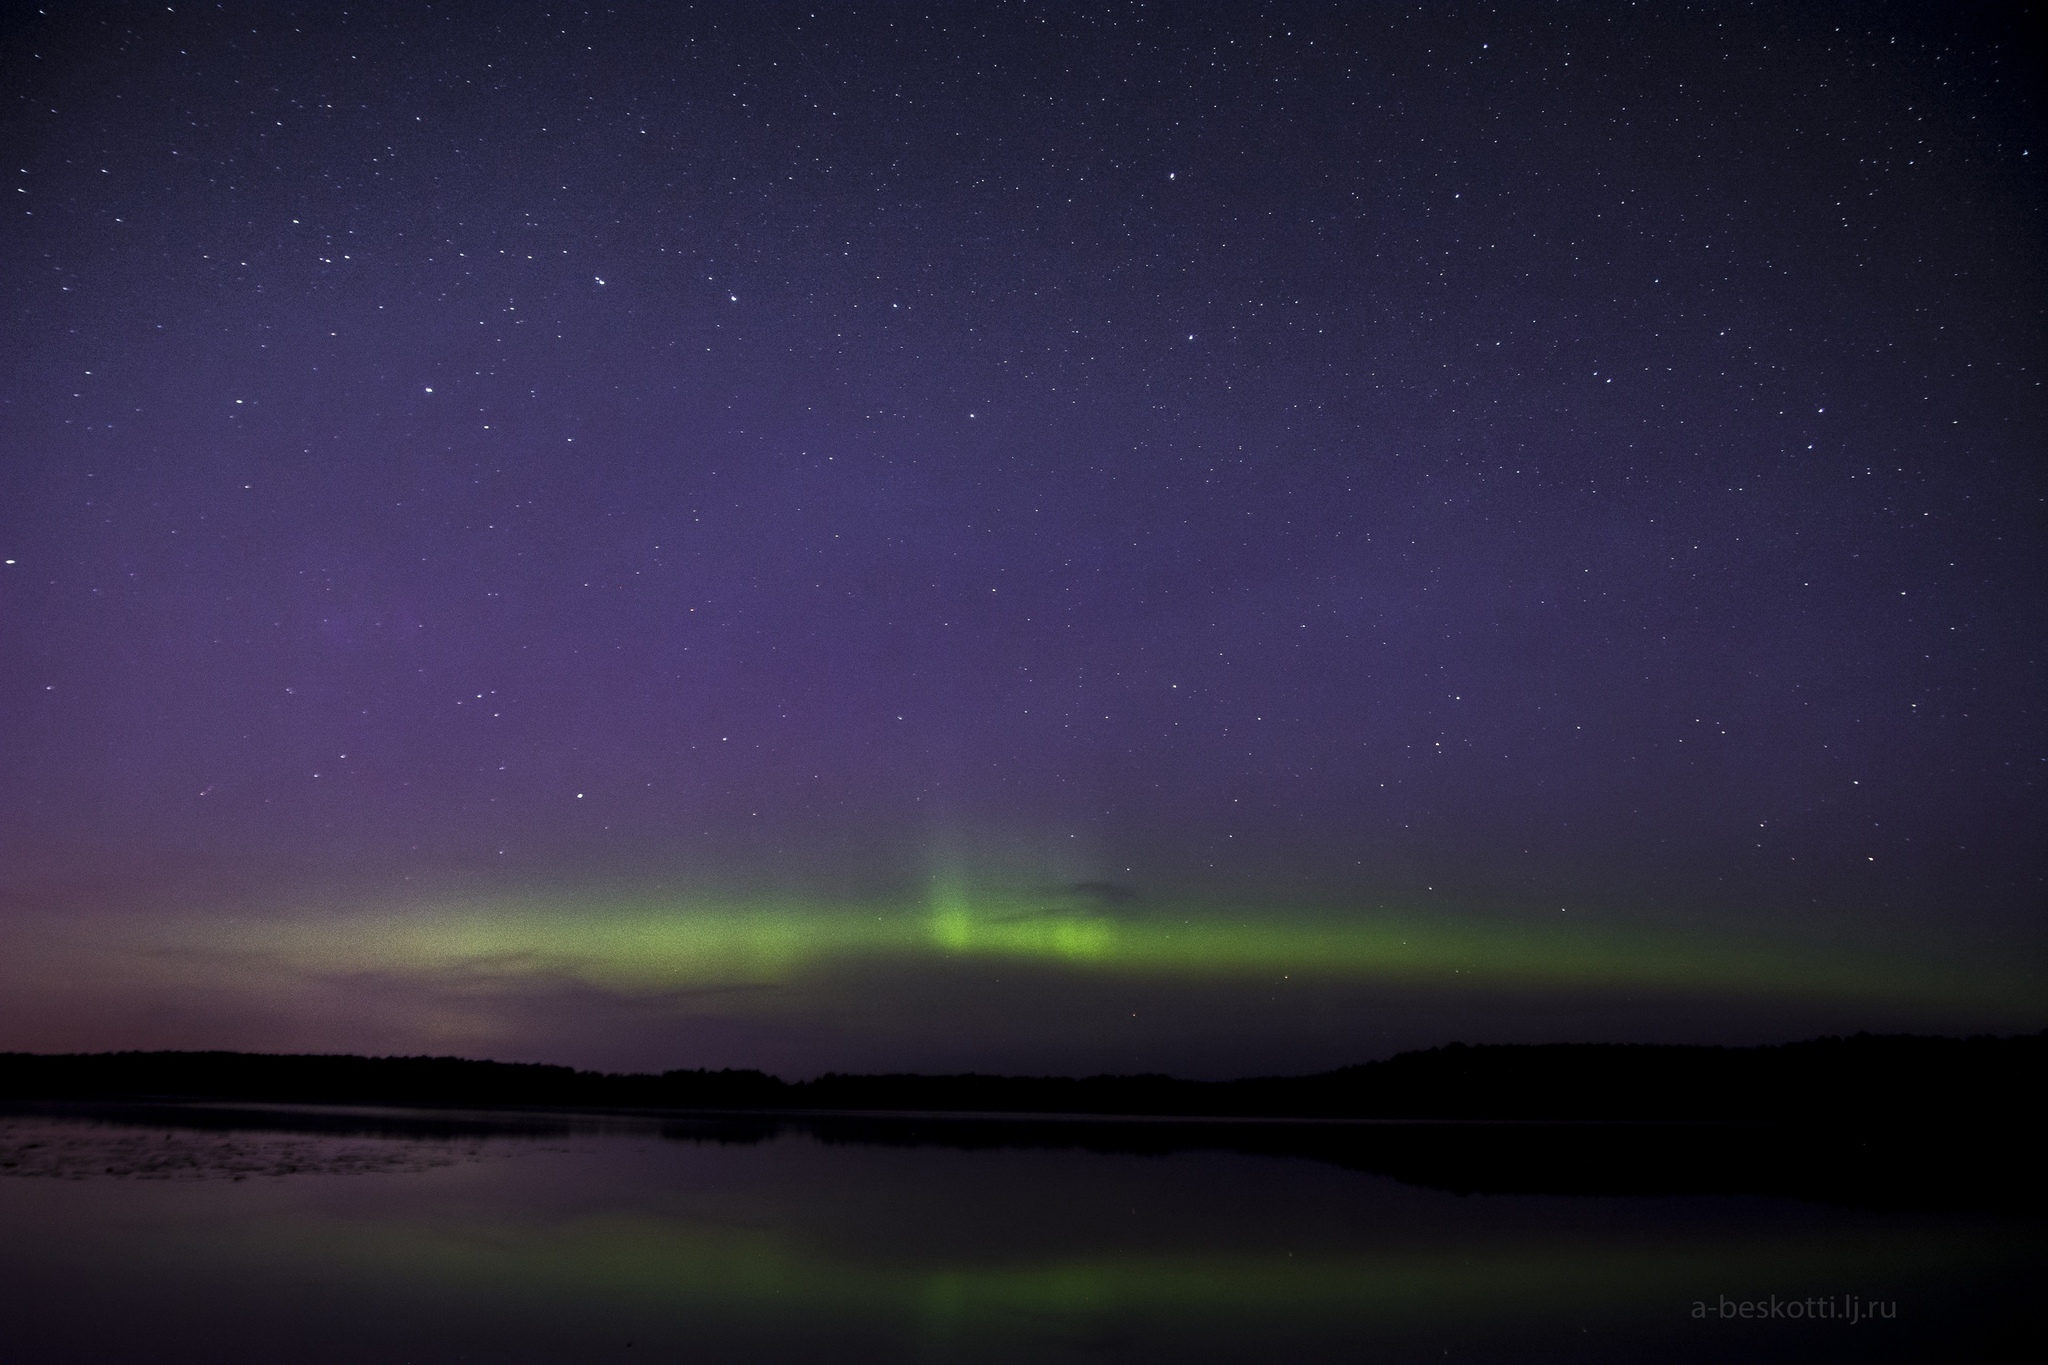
{"x": 1214, "y": 539}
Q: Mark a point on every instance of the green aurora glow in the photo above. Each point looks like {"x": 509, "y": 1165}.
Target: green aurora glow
{"x": 651, "y": 944}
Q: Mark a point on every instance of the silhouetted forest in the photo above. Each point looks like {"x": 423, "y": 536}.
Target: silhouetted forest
{"x": 1826, "y": 1079}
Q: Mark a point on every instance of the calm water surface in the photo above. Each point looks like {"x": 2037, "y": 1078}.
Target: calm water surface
{"x": 190, "y": 1234}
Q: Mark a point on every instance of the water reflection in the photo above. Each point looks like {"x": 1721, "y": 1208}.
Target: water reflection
{"x": 400, "y": 1234}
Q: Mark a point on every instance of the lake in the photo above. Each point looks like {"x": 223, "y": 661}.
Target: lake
{"x": 190, "y": 1233}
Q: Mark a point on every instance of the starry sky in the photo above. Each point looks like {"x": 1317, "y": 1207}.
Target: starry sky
{"x": 1214, "y": 539}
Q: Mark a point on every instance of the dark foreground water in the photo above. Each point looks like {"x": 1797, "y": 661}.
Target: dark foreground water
{"x": 210, "y": 1234}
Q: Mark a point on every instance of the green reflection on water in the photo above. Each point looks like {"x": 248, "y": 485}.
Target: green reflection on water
{"x": 752, "y": 1274}
{"x": 800, "y": 1250}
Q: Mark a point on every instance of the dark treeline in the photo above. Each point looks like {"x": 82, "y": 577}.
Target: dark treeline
{"x": 1823, "y": 1079}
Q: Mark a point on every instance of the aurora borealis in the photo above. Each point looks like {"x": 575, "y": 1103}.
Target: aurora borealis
{"x": 866, "y": 975}
{"x": 1043, "y": 538}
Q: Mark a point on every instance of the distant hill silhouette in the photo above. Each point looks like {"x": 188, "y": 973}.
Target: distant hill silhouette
{"x": 1826, "y": 1079}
